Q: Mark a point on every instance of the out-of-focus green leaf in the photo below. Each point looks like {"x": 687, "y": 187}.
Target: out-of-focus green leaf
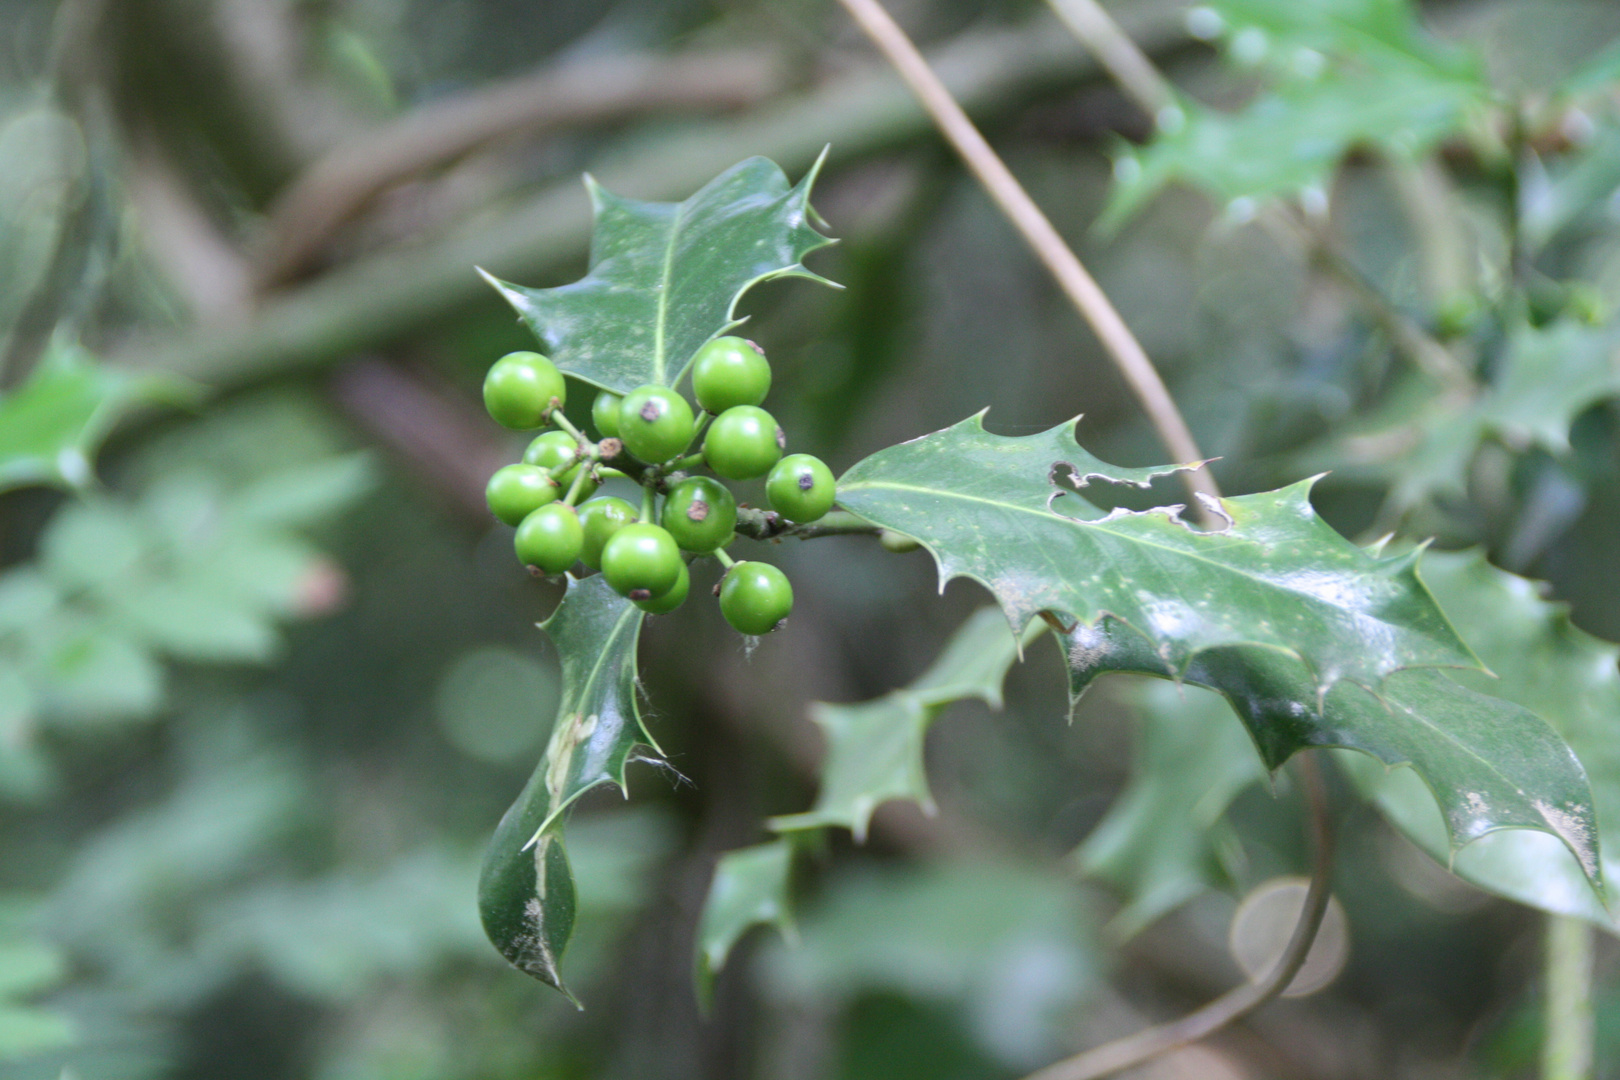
{"x": 1009, "y": 945}
{"x": 1544, "y": 663}
{"x": 42, "y": 167}
{"x": 306, "y": 495}
{"x": 751, "y": 887}
{"x": 1601, "y": 71}
{"x": 1422, "y": 440}
{"x": 1165, "y": 839}
{"x": 1346, "y": 74}
{"x": 88, "y": 673}
{"x": 52, "y": 425}
{"x": 666, "y": 277}
{"x": 1317, "y": 642}
{"x": 28, "y": 966}
{"x": 526, "y": 890}
{"x": 875, "y": 748}
{"x": 25, "y": 1031}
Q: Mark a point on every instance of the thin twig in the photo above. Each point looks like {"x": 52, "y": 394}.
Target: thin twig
{"x": 1118, "y": 54}
{"x": 1566, "y": 1050}
{"x": 1135, "y": 1049}
{"x": 338, "y": 186}
{"x": 1038, "y": 232}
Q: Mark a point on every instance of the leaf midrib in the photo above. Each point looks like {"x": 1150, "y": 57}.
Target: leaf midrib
{"x": 1047, "y": 515}
{"x": 665, "y": 277}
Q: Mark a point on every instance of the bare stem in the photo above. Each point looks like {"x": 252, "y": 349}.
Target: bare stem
{"x": 1038, "y": 232}
{"x": 1135, "y": 1049}
{"x": 1128, "y": 65}
{"x": 1566, "y": 1049}
{"x": 769, "y": 525}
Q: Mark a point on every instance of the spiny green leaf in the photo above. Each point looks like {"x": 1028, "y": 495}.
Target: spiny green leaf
{"x": 1315, "y": 641}
{"x": 1545, "y": 663}
{"x": 1423, "y": 438}
{"x": 1491, "y": 764}
{"x": 1165, "y": 839}
{"x": 526, "y": 890}
{"x": 666, "y": 277}
{"x": 875, "y": 748}
{"x": 750, "y": 888}
{"x": 1345, "y": 74}
{"x": 52, "y": 425}
{"x": 986, "y": 506}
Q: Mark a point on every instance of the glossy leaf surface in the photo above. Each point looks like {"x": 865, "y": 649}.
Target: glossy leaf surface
{"x": 750, "y": 888}
{"x": 1315, "y": 641}
{"x": 875, "y": 748}
{"x": 666, "y": 277}
{"x": 1546, "y": 664}
{"x": 526, "y": 889}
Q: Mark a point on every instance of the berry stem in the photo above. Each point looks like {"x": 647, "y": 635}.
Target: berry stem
{"x": 607, "y": 472}
{"x": 690, "y": 461}
{"x": 725, "y": 560}
{"x": 648, "y": 495}
{"x": 574, "y": 489}
{"x": 556, "y": 417}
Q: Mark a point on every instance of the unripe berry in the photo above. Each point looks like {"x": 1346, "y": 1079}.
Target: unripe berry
{"x": 516, "y": 491}
{"x": 743, "y": 442}
{"x": 605, "y": 414}
{"x": 674, "y": 598}
{"x": 601, "y": 518}
{"x": 730, "y": 371}
{"x": 701, "y": 514}
{"x": 550, "y": 449}
{"x": 641, "y": 559}
{"x": 755, "y": 597}
{"x": 801, "y": 488}
{"x": 519, "y": 388}
{"x": 550, "y": 538}
{"x": 655, "y": 423}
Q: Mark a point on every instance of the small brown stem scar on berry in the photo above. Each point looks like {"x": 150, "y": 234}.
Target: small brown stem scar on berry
{"x": 649, "y": 412}
{"x": 640, "y": 594}
{"x": 698, "y": 511}
{"x": 806, "y": 481}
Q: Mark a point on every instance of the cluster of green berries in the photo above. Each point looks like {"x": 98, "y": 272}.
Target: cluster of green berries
{"x": 648, "y": 435}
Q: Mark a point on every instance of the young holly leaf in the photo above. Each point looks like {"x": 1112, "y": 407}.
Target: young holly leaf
{"x": 750, "y": 888}
{"x": 875, "y": 748}
{"x": 666, "y": 277}
{"x": 1166, "y": 839}
{"x": 1544, "y": 663}
{"x": 1315, "y": 641}
{"x": 52, "y": 425}
{"x": 526, "y": 890}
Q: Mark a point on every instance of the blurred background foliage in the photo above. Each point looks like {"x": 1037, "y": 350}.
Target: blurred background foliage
{"x": 268, "y": 674}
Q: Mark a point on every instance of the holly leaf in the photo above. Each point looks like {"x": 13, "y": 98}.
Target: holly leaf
{"x": 1343, "y": 74}
{"x": 1315, "y": 641}
{"x": 1545, "y": 663}
{"x": 1277, "y": 576}
{"x": 875, "y": 748}
{"x": 750, "y": 888}
{"x": 1423, "y": 438}
{"x": 526, "y": 889}
{"x": 666, "y": 277}
{"x": 1165, "y": 839}
{"x": 52, "y": 425}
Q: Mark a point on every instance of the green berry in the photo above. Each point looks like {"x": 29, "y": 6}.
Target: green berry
{"x": 517, "y": 491}
{"x": 605, "y": 414}
{"x": 655, "y": 423}
{"x": 755, "y": 597}
{"x": 519, "y": 388}
{"x": 674, "y": 598}
{"x": 743, "y": 442}
{"x": 641, "y": 561}
{"x": 601, "y": 518}
{"x": 700, "y": 514}
{"x": 551, "y": 449}
{"x": 899, "y": 543}
{"x": 801, "y": 488}
{"x": 550, "y": 538}
{"x": 730, "y": 371}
